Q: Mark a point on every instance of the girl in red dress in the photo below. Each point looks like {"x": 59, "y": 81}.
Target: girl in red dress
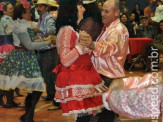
{"x": 79, "y": 88}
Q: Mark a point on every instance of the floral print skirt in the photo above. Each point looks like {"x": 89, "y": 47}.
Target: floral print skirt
{"x": 20, "y": 69}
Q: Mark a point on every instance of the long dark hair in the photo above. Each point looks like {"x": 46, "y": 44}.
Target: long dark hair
{"x": 92, "y": 10}
{"x": 67, "y": 14}
{"x": 123, "y": 14}
{"x": 18, "y": 11}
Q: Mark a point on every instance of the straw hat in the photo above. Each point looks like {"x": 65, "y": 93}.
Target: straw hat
{"x": 42, "y": 2}
{"x": 53, "y": 3}
{"x": 88, "y": 1}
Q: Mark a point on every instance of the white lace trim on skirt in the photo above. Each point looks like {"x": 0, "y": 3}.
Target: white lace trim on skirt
{"x": 11, "y": 82}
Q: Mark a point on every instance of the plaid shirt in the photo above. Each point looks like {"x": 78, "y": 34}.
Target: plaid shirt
{"x": 47, "y": 24}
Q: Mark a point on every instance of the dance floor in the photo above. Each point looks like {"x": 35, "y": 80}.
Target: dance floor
{"x": 42, "y": 114}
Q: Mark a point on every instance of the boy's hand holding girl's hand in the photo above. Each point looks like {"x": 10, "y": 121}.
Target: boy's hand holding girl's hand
{"x": 85, "y": 39}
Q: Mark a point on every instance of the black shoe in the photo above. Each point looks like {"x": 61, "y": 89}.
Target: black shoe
{"x": 46, "y": 98}
{"x": 1, "y": 102}
{"x": 23, "y": 118}
{"x": 12, "y": 105}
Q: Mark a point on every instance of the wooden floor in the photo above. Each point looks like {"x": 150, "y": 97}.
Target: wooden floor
{"x": 42, "y": 114}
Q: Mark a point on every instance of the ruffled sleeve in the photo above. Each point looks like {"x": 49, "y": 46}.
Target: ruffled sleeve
{"x": 66, "y": 40}
{"x": 142, "y": 82}
{"x": 68, "y": 48}
{"x": 30, "y": 24}
{"x": 17, "y": 27}
{"x": 5, "y": 21}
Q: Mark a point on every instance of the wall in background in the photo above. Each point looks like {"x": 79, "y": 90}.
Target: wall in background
{"x": 131, "y": 3}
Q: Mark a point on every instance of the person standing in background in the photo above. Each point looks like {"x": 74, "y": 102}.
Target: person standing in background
{"x": 35, "y": 16}
{"x": 159, "y": 12}
{"x": 124, "y": 8}
{"x": 149, "y": 11}
{"x": 138, "y": 12}
{"x": 53, "y": 8}
{"x": 47, "y": 56}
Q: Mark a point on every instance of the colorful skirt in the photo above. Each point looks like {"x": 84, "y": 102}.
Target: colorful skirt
{"x": 20, "y": 69}
{"x": 79, "y": 89}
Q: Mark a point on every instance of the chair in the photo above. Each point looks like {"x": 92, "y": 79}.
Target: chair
{"x": 137, "y": 46}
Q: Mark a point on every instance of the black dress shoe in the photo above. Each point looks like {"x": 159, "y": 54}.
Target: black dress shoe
{"x": 46, "y": 98}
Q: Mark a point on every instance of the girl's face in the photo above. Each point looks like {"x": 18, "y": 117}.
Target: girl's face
{"x": 27, "y": 15}
{"x": 81, "y": 10}
{"x": 124, "y": 18}
{"x": 9, "y": 10}
{"x": 161, "y": 26}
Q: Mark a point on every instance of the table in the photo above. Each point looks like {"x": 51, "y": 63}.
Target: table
{"x": 137, "y": 45}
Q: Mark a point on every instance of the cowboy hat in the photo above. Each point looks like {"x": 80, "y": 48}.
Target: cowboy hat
{"x": 53, "y": 3}
{"x": 42, "y": 2}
